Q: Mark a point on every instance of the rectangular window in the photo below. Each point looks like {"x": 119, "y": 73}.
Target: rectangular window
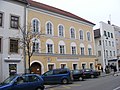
{"x": 63, "y": 65}
{"x": 74, "y": 66}
{"x": 99, "y": 42}
{"x": 108, "y": 34}
{"x": 73, "y": 50}
{"x": 105, "y": 33}
{"x": 89, "y": 51}
{"x": 50, "y": 48}
{"x": 0, "y": 44}
{"x": 13, "y": 46}
{"x": 50, "y": 66}
{"x": 83, "y": 66}
{"x": 35, "y": 47}
{"x": 12, "y": 69}
{"x": 14, "y": 23}
{"x": 109, "y": 43}
{"x": 91, "y": 65}
{"x": 82, "y": 50}
{"x": 62, "y": 49}
{"x": 114, "y": 53}
{"x": 1, "y": 19}
{"x": 111, "y": 35}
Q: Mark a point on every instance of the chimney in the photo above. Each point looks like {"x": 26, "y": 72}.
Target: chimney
{"x": 109, "y": 22}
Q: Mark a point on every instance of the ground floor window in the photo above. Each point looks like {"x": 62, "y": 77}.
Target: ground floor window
{"x": 12, "y": 69}
{"x": 91, "y": 65}
{"x": 83, "y": 66}
{"x": 74, "y": 66}
{"x": 50, "y": 66}
{"x": 63, "y": 65}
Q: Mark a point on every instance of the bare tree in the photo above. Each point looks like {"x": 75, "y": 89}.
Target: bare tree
{"x": 27, "y": 42}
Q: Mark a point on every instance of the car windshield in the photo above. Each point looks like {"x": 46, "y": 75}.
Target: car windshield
{"x": 8, "y": 80}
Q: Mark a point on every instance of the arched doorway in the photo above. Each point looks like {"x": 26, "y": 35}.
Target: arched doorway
{"x": 36, "y": 68}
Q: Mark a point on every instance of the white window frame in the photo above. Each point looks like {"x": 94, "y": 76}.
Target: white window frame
{"x": 51, "y": 28}
{"x": 34, "y": 30}
{"x": 63, "y": 31}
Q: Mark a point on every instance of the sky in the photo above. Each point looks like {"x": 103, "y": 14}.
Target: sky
{"x": 91, "y": 10}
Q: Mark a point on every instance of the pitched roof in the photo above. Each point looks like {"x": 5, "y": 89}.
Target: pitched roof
{"x": 56, "y": 10}
{"x": 97, "y": 33}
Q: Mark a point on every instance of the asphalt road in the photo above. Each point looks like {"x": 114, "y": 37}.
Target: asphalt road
{"x": 102, "y": 83}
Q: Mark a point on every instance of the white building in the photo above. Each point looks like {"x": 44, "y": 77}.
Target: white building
{"x": 117, "y": 37}
{"x": 105, "y": 45}
{"x": 12, "y": 14}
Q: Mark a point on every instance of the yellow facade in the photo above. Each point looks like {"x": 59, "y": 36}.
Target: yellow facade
{"x": 57, "y": 59}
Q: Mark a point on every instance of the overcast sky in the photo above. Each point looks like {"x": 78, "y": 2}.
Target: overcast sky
{"x": 92, "y": 10}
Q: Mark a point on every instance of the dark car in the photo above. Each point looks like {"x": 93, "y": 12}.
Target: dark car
{"x": 90, "y": 73}
{"x": 63, "y": 76}
{"x": 23, "y": 82}
{"x": 77, "y": 75}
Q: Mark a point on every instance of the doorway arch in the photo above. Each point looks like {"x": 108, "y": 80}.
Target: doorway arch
{"x": 36, "y": 68}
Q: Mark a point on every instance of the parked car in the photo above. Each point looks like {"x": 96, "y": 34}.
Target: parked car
{"x": 23, "y": 82}
{"x": 90, "y": 73}
{"x": 63, "y": 76}
{"x": 77, "y": 75}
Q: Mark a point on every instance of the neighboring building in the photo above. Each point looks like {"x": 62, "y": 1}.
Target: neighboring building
{"x": 66, "y": 41}
{"x": 105, "y": 45}
{"x": 12, "y": 14}
{"x": 117, "y": 37}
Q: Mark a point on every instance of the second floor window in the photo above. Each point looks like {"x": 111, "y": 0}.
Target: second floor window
{"x": 14, "y": 23}
{"x": 88, "y": 36}
{"x": 1, "y": 19}
{"x": 81, "y": 35}
{"x": 61, "y": 30}
{"x": 35, "y": 25}
{"x": 49, "y": 48}
{"x": 13, "y": 46}
{"x": 49, "y": 28}
{"x": 72, "y": 32}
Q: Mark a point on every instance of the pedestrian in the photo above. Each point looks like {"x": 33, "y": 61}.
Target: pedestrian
{"x": 115, "y": 70}
{"x": 102, "y": 69}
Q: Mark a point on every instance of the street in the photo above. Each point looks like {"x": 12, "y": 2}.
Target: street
{"x": 101, "y": 83}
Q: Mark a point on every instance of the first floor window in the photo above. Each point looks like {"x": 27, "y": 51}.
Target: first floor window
{"x": 50, "y": 48}
{"x": 35, "y": 47}
{"x": 82, "y": 50}
{"x": 73, "y": 50}
{"x": 1, "y": 19}
{"x": 62, "y": 49}
{"x": 13, "y": 45}
{"x": 89, "y": 51}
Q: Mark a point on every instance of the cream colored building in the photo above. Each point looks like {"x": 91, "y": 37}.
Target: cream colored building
{"x": 66, "y": 40}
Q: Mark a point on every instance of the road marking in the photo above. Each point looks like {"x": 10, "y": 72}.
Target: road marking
{"x": 67, "y": 87}
{"x": 117, "y": 88}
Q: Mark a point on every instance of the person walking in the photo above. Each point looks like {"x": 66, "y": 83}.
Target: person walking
{"x": 115, "y": 70}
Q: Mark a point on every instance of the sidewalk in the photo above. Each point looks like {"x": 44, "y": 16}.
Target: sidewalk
{"x": 103, "y": 74}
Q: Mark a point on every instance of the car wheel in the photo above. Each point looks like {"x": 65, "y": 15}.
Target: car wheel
{"x": 39, "y": 88}
{"x": 80, "y": 78}
{"x": 92, "y": 76}
{"x": 64, "y": 81}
